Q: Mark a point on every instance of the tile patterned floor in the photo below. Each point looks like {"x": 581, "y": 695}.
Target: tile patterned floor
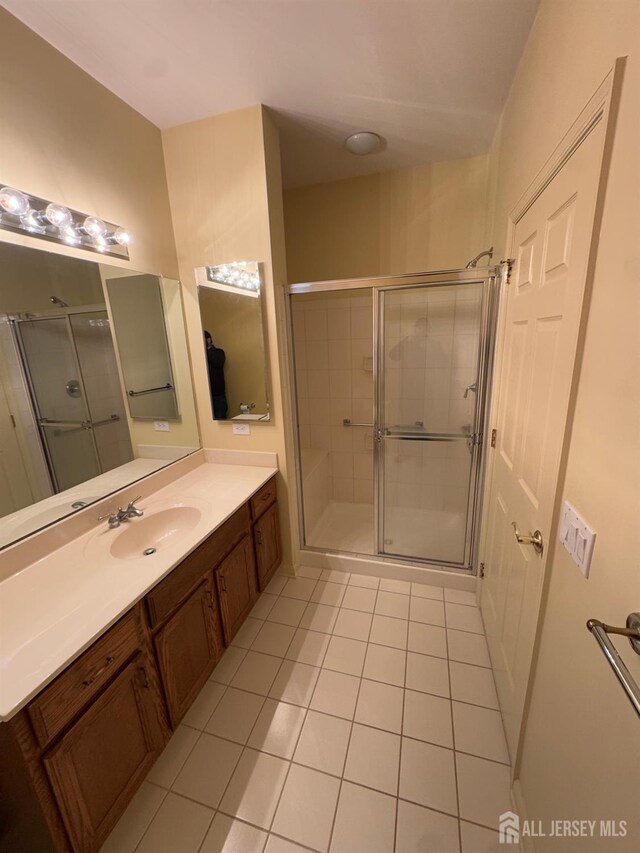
{"x": 350, "y": 715}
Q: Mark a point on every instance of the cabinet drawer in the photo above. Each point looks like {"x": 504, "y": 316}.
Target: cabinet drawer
{"x": 59, "y": 703}
{"x": 166, "y": 597}
{"x": 263, "y": 498}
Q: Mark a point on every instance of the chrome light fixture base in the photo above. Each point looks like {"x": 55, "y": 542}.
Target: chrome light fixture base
{"x": 24, "y": 213}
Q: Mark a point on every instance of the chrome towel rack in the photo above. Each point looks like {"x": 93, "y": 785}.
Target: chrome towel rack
{"x": 349, "y": 423}
{"x": 601, "y": 631}
{"x": 167, "y": 387}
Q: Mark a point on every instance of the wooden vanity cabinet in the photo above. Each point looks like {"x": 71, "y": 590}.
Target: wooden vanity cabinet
{"x": 188, "y": 647}
{"x": 87, "y": 741}
{"x": 266, "y": 532}
{"x": 72, "y": 759}
{"x": 237, "y": 587}
{"x": 266, "y": 536}
{"x": 101, "y": 761}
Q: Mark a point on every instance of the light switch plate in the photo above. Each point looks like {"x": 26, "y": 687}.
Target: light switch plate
{"x": 577, "y": 537}
{"x": 161, "y": 426}
{"x": 241, "y": 429}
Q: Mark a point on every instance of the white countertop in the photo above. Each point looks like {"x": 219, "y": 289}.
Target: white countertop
{"x": 55, "y": 608}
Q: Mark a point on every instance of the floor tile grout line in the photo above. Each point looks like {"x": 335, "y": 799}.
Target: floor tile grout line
{"x": 404, "y": 696}
{"x": 324, "y": 773}
{"x": 353, "y": 723}
{"x": 204, "y": 837}
{"x": 220, "y": 811}
{"x": 244, "y": 746}
{"x": 453, "y": 734}
{"x": 306, "y": 714}
{"x": 165, "y": 792}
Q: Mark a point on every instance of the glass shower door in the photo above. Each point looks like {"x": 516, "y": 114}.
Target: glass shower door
{"x": 428, "y": 418}
{"x": 61, "y": 407}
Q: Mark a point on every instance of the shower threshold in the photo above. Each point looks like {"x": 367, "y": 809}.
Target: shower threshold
{"x": 343, "y": 537}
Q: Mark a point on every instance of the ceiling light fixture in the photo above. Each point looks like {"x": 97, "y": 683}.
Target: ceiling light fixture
{"x": 363, "y": 142}
{"x": 38, "y": 217}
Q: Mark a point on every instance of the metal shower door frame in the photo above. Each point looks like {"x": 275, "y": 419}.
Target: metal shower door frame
{"x": 490, "y": 278}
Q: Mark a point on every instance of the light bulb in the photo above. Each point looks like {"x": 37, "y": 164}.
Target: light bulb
{"x": 101, "y": 243}
{"x": 58, "y": 215}
{"x": 13, "y": 201}
{"x": 94, "y": 227}
{"x": 122, "y": 236}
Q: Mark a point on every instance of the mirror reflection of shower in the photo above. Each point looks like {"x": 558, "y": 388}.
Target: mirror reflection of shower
{"x": 70, "y": 366}
{"x": 68, "y": 362}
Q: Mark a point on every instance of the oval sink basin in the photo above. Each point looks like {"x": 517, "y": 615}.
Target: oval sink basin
{"x": 158, "y": 531}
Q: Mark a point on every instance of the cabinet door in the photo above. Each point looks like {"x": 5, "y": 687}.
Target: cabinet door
{"x": 188, "y": 648}
{"x": 99, "y": 764}
{"x": 237, "y": 587}
{"x": 266, "y": 535}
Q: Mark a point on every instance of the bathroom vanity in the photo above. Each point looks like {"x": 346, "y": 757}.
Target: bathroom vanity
{"x": 75, "y": 753}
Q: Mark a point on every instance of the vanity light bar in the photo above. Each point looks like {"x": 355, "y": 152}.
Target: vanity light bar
{"x": 241, "y": 274}
{"x": 28, "y": 214}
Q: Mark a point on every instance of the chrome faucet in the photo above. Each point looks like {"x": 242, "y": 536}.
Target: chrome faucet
{"x": 115, "y": 519}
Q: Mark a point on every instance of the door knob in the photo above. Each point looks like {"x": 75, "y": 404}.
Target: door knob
{"x": 534, "y": 538}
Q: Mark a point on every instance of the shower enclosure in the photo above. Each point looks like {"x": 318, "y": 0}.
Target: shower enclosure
{"x": 68, "y": 359}
{"x": 392, "y": 382}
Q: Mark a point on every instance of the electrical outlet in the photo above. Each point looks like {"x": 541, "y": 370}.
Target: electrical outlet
{"x": 241, "y": 429}
{"x": 161, "y": 426}
{"x": 577, "y": 537}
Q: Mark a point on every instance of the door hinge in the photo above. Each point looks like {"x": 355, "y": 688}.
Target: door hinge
{"x": 494, "y": 436}
{"x": 13, "y": 421}
{"x": 481, "y": 572}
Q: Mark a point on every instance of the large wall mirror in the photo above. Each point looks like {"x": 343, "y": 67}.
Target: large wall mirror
{"x": 232, "y": 319}
{"x": 95, "y": 384}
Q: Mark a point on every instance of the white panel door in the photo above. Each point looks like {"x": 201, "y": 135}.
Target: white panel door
{"x": 551, "y": 246}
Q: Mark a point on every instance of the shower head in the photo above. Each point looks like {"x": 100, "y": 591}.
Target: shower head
{"x": 473, "y": 263}
{"x": 59, "y": 302}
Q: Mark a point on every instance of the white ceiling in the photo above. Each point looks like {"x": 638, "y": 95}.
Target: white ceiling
{"x": 430, "y": 76}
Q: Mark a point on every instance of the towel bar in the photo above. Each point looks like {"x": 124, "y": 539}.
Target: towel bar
{"x": 601, "y": 632}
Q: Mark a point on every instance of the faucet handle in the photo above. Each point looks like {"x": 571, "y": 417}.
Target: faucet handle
{"x": 114, "y": 517}
{"x": 132, "y": 510}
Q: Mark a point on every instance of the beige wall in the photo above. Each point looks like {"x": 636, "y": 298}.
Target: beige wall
{"x": 426, "y": 217}
{"x": 582, "y": 747}
{"x": 217, "y": 172}
{"x": 65, "y": 137}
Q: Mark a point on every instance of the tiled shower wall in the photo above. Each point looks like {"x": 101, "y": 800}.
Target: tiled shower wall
{"x": 333, "y": 344}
